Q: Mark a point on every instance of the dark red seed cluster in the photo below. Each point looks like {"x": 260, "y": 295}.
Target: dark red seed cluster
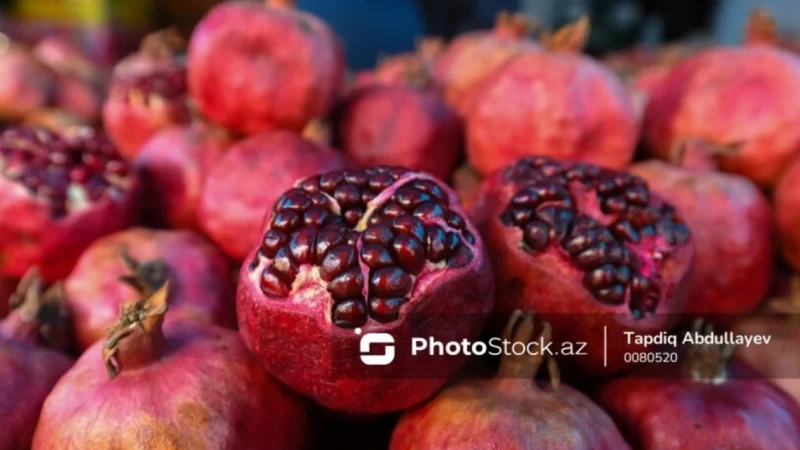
{"x": 168, "y": 84}
{"x": 545, "y": 209}
{"x": 62, "y": 171}
{"x": 331, "y": 221}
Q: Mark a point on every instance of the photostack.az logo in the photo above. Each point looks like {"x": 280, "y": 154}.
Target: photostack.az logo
{"x": 365, "y": 348}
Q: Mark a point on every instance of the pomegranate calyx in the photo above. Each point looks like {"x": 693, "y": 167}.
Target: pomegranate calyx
{"x": 700, "y": 154}
{"x": 761, "y": 28}
{"x": 572, "y": 37}
{"x": 513, "y": 25}
{"x": 163, "y": 44}
{"x": 144, "y": 277}
{"x": 137, "y": 339}
{"x": 37, "y": 314}
{"x": 430, "y": 48}
{"x": 521, "y": 328}
{"x": 707, "y": 363}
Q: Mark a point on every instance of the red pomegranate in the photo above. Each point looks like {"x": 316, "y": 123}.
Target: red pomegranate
{"x": 27, "y": 84}
{"x": 28, "y": 370}
{"x": 472, "y": 57}
{"x": 65, "y": 57}
{"x": 411, "y": 69}
{"x": 199, "y": 275}
{"x": 732, "y": 96}
{"x": 148, "y": 93}
{"x": 58, "y": 193}
{"x": 187, "y": 385}
{"x": 174, "y": 165}
{"x": 786, "y": 200}
{"x": 511, "y": 411}
{"x": 288, "y": 64}
{"x": 403, "y": 126}
{"x": 247, "y": 181}
{"x": 554, "y": 103}
{"x": 702, "y": 403}
{"x": 383, "y": 250}
{"x": 731, "y": 221}
{"x": 591, "y": 249}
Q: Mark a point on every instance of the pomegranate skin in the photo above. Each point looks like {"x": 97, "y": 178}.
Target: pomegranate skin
{"x": 174, "y": 165}
{"x": 80, "y": 97}
{"x": 201, "y": 287}
{"x": 593, "y": 250}
{"x": 787, "y": 214}
{"x": 556, "y": 104}
{"x": 251, "y": 176}
{"x": 205, "y": 391}
{"x": 401, "y": 126}
{"x": 27, "y": 84}
{"x": 370, "y": 269}
{"x": 288, "y": 66}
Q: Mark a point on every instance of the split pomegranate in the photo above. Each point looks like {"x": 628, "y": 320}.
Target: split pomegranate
{"x": 58, "y": 193}
{"x": 403, "y": 126}
{"x": 731, "y": 221}
{"x": 472, "y": 57}
{"x": 248, "y": 180}
{"x": 174, "y": 165}
{"x": 27, "y": 84}
{"x": 199, "y": 274}
{"x": 732, "y": 96}
{"x": 289, "y": 66}
{"x": 588, "y": 248}
{"x": 512, "y": 411}
{"x": 702, "y": 403}
{"x": 381, "y": 249}
{"x": 148, "y": 93}
{"x": 187, "y": 385}
{"x": 28, "y": 370}
{"x": 412, "y": 69}
{"x": 787, "y": 213}
{"x": 554, "y": 103}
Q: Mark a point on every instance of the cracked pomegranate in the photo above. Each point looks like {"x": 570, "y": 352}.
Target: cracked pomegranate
{"x": 787, "y": 214}
{"x": 27, "y": 84}
{"x": 148, "y": 93}
{"x": 58, "y": 193}
{"x": 731, "y": 221}
{"x": 199, "y": 275}
{"x": 246, "y": 182}
{"x": 380, "y": 249}
{"x": 555, "y": 103}
{"x": 702, "y": 403}
{"x": 511, "y": 411}
{"x": 289, "y": 66}
{"x": 586, "y": 247}
{"x": 187, "y": 385}
{"x": 410, "y": 69}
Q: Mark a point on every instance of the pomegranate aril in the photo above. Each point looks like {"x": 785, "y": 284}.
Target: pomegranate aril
{"x": 525, "y": 197}
{"x": 461, "y": 257}
{"x": 604, "y": 275}
{"x": 367, "y": 196}
{"x": 330, "y": 180}
{"x": 302, "y": 245}
{"x": 283, "y": 266}
{"x": 316, "y": 217}
{"x": 357, "y": 178}
{"x": 336, "y": 261}
{"x": 390, "y": 282}
{"x": 536, "y": 235}
{"x": 430, "y": 211}
{"x": 286, "y": 221}
{"x": 379, "y": 234}
{"x": 273, "y": 240}
{"x": 272, "y": 285}
{"x": 637, "y": 195}
{"x": 468, "y": 237}
{"x": 353, "y": 215}
{"x": 435, "y": 243}
{"x": 298, "y": 201}
{"x": 456, "y": 221}
{"x": 327, "y": 239}
{"x": 613, "y": 205}
{"x": 623, "y": 229}
{"x": 380, "y": 181}
{"x": 431, "y": 188}
{"x": 347, "y": 195}
{"x": 392, "y": 209}
{"x": 614, "y": 295}
{"x": 409, "y": 253}
{"x": 453, "y": 241}
{"x": 376, "y": 256}
{"x": 592, "y": 256}
{"x": 385, "y": 309}
{"x": 410, "y": 225}
{"x": 348, "y": 284}
{"x": 349, "y": 313}
{"x": 310, "y": 184}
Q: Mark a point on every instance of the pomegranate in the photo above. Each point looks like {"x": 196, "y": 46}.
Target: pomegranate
{"x": 234, "y": 197}
{"x": 732, "y": 96}
{"x": 27, "y": 84}
{"x": 288, "y": 64}
{"x": 412, "y": 69}
{"x": 148, "y": 93}
{"x": 511, "y": 411}
{"x": 467, "y": 184}
{"x": 731, "y": 221}
{"x": 199, "y": 274}
{"x": 174, "y": 165}
{"x": 588, "y": 248}
{"x": 58, "y": 193}
{"x": 472, "y": 57}
{"x": 187, "y": 385}
{"x": 397, "y": 125}
{"x": 28, "y": 371}
{"x": 381, "y": 249}
{"x": 702, "y": 403}
{"x": 787, "y": 213}
{"x": 65, "y": 57}
{"x": 552, "y": 103}
{"x": 79, "y": 96}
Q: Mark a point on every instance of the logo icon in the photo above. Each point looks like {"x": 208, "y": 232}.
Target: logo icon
{"x": 367, "y": 340}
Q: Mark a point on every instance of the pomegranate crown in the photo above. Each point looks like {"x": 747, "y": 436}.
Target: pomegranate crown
{"x": 38, "y": 315}
{"x": 521, "y": 327}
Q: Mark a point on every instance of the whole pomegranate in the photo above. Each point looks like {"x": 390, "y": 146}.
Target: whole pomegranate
{"x": 702, "y": 403}
{"x": 472, "y": 57}
{"x": 28, "y": 369}
{"x": 174, "y": 165}
{"x": 234, "y": 198}
{"x": 731, "y": 221}
{"x": 786, "y": 200}
{"x": 383, "y": 250}
{"x": 591, "y": 249}
{"x": 187, "y": 385}
{"x": 511, "y": 411}
{"x": 199, "y": 275}
{"x": 58, "y": 193}
{"x": 288, "y": 64}
{"x": 411, "y": 69}
{"x": 148, "y": 93}
{"x": 404, "y": 126}
{"x": 27, "y": 84}
{"x": 733, "y": 96}
{"x": 554, "y": 103}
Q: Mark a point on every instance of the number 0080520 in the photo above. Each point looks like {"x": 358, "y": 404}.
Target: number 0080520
{"x": 651, "y": 357}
